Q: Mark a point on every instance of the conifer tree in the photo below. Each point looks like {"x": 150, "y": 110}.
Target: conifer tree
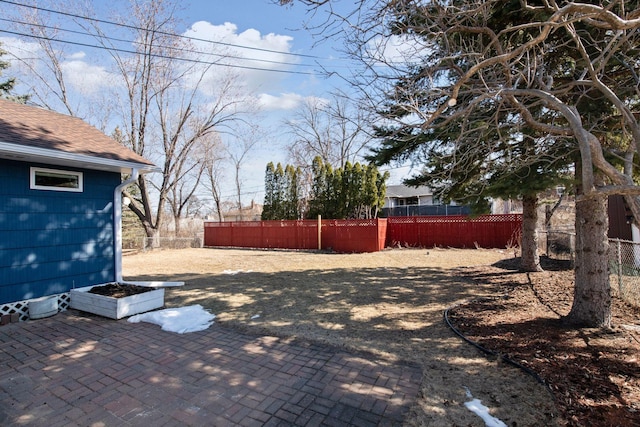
{"x": 354, "y": 191}
{"x": 291, "y": 201}
{"x": 346, "y": 193}
{"x": 280, "y": 193}
{"x": 268, "y": 209}
{"x": 7, "y": 86}
{"x": 319, "y": 188}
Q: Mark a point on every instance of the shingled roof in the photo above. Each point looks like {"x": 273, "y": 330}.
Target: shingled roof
{"x": 35, "y": 134}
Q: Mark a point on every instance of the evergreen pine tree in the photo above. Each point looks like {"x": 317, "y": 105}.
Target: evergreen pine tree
{"x": 6, "y": 86}
{"x": 280, "y": 193}
{"x": 269, "y": 193}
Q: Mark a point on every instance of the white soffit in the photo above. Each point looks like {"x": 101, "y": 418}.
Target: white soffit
{"x": 60, "y": 158}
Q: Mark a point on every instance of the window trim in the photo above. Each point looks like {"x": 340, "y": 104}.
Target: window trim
{"x": 33, "y": 186}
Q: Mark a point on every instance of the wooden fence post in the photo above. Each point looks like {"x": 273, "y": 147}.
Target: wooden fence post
{"x": 319, "y": 232}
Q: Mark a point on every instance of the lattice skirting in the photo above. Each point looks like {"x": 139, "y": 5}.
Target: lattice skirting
{"x": 22, "y": 307}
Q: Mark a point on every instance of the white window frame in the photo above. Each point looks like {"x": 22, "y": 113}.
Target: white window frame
{"x": 35, "y": 170}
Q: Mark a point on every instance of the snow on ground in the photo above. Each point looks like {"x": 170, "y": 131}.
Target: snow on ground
{"x": 191, "y": 318}
{"x": 476, "y": 406}
{"x": 234, "y": 272}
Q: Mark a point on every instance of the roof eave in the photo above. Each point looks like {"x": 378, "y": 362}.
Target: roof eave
{"x": 60, "y": 158}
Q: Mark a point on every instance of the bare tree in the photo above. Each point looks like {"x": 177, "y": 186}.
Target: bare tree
{"x": 214, "y": 156}
{"x": 182, "y": 198}
{"x": 165, "y": 99}
{"x": 48, "y": 82}
{"x": 162, "y": 89}
{"x": 333, "y": 129}
{"x": 238, "y": 148}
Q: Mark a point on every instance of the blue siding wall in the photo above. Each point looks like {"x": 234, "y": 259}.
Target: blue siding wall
{"x": 52, "y": 241}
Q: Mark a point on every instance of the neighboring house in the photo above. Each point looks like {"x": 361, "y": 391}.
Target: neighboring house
{"x": 621, "y": 220}
{"x": 253, "y": 212}
{"x": 508, "y": 206}
{"x": 60, "y": 204}
{"x": 401, "y": 200}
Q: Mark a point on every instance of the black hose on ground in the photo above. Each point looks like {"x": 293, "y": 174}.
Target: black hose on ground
{"x": 493, "y": 353}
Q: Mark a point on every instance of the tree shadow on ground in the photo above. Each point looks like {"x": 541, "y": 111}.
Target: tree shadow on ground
{"x": 375, "y": 309}
{"x": 390, "y": 312}
{"x": 547, "y": 264}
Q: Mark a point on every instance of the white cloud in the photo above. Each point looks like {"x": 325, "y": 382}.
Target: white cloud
{"x": 252, "y": 63}
{"x": 285, "y": 101}
{"x": 86, "y": 78}
{"x": 288, "y": 101}
{"x": 19, "y": 52}
{"x": 78, "y": 73}
{"x": 77, "y": 55}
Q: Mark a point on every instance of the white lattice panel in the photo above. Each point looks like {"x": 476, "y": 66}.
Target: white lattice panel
{"x": 22, "y": 307}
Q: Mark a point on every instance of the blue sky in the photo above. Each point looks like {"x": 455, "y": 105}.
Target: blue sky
{"x": 274, "y": 32}
{"x": 262, "y": 18}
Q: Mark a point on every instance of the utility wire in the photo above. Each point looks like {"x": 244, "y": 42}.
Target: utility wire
{"x": 133, "y": 27}
{"x": 83, "y": 33}
{"x": 155, "y": 55}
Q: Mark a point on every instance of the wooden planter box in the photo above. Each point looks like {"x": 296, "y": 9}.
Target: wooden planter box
{"x": 115, "y": 308}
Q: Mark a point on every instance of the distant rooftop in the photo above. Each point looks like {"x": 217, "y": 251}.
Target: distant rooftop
{"x": 406, "y": 191}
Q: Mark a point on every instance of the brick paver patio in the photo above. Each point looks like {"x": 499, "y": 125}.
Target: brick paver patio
{"x": 76, "y": 369}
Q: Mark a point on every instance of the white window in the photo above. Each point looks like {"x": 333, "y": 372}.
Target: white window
{"x": 55, "y": 180}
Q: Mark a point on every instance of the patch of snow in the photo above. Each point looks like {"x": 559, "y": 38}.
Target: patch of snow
{"x": 233, "y": 272}
{"x": 181, "y": 320}
{"x": 476, "y": 406}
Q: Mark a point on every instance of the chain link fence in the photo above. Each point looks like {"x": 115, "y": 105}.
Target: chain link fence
{"x": 557, "y": 244}
{"x": 150, "y": 243}
{"x": 624, "y": 266}
{"x": 624, "y": 261}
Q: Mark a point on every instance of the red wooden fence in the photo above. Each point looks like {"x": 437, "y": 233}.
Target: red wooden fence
{"x": 456, "y": 231}
{"x": 338, "y": 235}
{"x": 487, "y": 231}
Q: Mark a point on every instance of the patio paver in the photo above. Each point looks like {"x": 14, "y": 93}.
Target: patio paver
{"x": 77, "y": 369}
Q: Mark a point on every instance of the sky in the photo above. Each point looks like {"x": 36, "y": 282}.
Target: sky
{"x": 286, "y": 70}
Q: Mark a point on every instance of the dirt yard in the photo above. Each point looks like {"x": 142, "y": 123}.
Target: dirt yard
{"x": 390, "y": 304}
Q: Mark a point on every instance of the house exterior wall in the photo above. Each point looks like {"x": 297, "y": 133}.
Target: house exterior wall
{"x": 52, "y": 241}
{"x": 411, "y": 201}
{"x": 392, "y": 202}
{"x": 619, "y": 219}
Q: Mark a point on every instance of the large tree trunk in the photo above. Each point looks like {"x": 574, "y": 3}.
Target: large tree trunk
{"x": 177, "y": 223}
{"x": 153, "y": 238}
{"x": 592, "y": 296}
{"x": 530, "y": 260}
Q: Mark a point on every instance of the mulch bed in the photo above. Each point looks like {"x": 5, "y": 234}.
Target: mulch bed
{"x": 593, "y": 374}
{"x": 119, "y": 290}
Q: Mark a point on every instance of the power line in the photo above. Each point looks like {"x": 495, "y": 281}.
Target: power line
{"x": 133, "y": 27}
{"x": 155, "y": 55}
{"x": 83, "y": 33}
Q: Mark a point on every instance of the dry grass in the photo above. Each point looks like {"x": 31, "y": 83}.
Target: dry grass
{"x": 388, "y": 304}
